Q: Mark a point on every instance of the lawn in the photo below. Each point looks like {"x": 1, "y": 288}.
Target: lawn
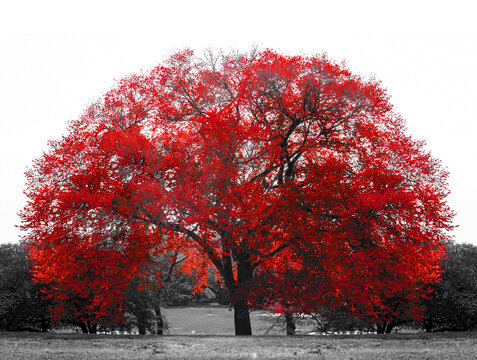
{"x": 215, "y": 324}
{"x": 55, "y": 346}
{"x": 219, "y": 320}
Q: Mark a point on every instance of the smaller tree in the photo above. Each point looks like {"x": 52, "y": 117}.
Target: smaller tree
{"x": 154, "y": 286}
{"x": 336, "y": 321}
{"x": 142, "y": 304}
{"x": 22, "y": 306}
{"x": 453, "y": 302}
{"x": 89, "y": 288}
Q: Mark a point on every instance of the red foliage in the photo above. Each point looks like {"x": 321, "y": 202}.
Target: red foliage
{"x": 285, "y": 171}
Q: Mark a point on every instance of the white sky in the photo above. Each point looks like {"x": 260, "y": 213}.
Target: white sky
{"x": 58, "y": 56}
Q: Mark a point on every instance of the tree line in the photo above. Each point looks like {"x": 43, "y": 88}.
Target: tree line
{"x": 24, "y": 305}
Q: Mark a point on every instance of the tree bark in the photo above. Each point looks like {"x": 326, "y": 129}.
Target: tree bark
{"x": 83, "y": 327}
{"x": 45, "y": 324}
{"x": 141, "y": 329}
{"x": 92, "y": 327}
{"x": 238, "y": 290}
{"x": 428, "y": 324}
{"x": 385, "y": 328}
{"x": 242, "y": 318}
{"x": 389, "y": 327}
{"x": 290, "y": 321}
{"x": 380, "y": 328}
{"x": 240, "y": 297}
{"x": 159, "y": 321}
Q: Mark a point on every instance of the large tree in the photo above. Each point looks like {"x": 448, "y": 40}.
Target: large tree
{"x": 284, "y": 168}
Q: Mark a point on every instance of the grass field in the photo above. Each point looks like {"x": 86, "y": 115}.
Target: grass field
{"x": 215, "y": 323}
{"x": 219, "y": 320}
{"x": 16, "y": 346}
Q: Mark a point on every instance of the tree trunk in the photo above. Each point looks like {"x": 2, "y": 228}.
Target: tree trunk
{"x": 389, "y": 327}
{"x": 238, "y": 291}
{"x": 159, "y": 321}
{"x": 92, "y": 327}
{"x": 380, "y": 328}
{"x": 141, "y": 327}
{"x": 240, "y": 297}
{"x": 242, "y": 318}
{"x": 291, "y": 328}
{"x": 83, "y": 327}
{"x": 428, "y": 324}
{"x": 45, "y": 324}
{"x": 385, "y": 328}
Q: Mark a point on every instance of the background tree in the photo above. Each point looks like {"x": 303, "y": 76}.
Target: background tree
{"x": 22, "y": 303}
{"x": 253, "y": 162}
{"x": 168, "y": 280}
{"x": 336, "y": 322}
{"x": 453, "y": 302}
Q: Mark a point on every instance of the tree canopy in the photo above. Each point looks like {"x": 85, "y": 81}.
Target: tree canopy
{"x": 282, "y": 170}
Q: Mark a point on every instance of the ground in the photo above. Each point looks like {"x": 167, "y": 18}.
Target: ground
{"x": 51, "y": 346}
{"x": 215, "y": 325}
{"x": 219, "y": 320}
